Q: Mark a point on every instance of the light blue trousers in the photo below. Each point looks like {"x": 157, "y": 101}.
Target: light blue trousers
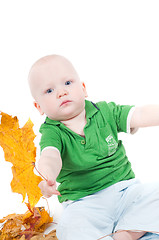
{"x": 127, "y": 205}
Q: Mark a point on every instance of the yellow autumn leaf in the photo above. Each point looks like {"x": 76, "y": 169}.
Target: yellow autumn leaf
{"x": 19, "y": 149}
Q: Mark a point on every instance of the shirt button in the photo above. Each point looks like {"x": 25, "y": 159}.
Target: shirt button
{"x": 83, "y": 142}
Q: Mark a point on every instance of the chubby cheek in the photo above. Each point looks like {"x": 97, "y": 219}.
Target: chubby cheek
{"x": 80, "y": 100}
{"x": 78, "y": 93}
{"x": 49, "y": 107}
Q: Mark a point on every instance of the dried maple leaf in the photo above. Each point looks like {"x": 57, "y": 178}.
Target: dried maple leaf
{"x": 19, "y": 149}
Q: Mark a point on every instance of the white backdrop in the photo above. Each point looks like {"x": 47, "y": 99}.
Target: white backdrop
{"x": 114, "y": 46}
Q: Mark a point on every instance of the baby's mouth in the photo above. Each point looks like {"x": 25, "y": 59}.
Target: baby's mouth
{"x": 65, "y": 102}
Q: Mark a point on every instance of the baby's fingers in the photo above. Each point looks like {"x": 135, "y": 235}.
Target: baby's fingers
{"x": 51, "y": 191}
{"x": 53, "y": 184}
{"x": 56, "y": 193}
{"x": 48, "y": 189}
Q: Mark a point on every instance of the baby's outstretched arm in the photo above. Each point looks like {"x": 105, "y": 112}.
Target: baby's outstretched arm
{"x": 50, "y": 164}
{"x": 145, "y": 116}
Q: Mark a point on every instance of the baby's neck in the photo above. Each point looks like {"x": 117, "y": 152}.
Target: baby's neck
{"x": 77, "y": 123}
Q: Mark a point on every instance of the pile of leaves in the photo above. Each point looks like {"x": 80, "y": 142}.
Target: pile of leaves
{"x": 19, "y": 149}
{"x": 30, "y": 225}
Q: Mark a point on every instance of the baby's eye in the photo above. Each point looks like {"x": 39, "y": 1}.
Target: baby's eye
{"x": 50, "y": 90}
{"x": 68, "y": 82}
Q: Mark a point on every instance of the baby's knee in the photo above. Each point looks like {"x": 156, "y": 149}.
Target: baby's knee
{"x": 123, "y": 235}
{"x": 128, "y": 235}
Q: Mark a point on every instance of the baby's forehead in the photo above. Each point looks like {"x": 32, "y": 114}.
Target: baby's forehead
{"x": 52, "y": 64}
{"x": 50, "y": 68}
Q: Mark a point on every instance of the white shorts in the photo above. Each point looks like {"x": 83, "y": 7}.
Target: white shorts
{"x": 127, "y": 205}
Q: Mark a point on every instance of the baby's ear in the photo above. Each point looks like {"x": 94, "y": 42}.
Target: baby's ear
{"x": 84, "y": 89}
{"x": 38, "y": 107}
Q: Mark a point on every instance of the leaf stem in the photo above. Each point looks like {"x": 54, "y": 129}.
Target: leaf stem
{"x": 33, "y": 163}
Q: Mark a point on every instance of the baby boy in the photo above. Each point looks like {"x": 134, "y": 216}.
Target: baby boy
{"x": 80, "y": 150}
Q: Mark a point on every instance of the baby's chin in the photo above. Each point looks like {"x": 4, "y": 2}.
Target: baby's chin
{"x": 68, "y": 113}
{"x": 66, "y": 117}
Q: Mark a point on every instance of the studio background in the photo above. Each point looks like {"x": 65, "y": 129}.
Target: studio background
{"x": 114, "y": 48}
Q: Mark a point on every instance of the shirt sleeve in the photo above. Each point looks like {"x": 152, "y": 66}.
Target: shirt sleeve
{"x": 122, "y": 115}
{"x": 50, "y": 137}
{"x": 131, "y": 130}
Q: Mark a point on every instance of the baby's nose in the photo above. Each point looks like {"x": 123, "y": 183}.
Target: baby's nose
{"x": 61, "y": 93}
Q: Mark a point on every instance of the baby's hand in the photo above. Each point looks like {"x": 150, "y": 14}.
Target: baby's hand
{"x": 48, "y": 188}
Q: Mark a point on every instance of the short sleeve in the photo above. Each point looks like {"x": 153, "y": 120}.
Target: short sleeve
{"x": 121, "y": 116}
{"x": 50, "y": 137}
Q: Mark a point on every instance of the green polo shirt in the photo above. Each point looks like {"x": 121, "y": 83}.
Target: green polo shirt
{"x": 93, "y": 162}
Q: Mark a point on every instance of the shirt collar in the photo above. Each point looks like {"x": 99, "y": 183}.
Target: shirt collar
{"x": 90, "y": 109}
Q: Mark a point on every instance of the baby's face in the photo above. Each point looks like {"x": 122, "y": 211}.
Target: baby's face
{"x": 57, "y": 89}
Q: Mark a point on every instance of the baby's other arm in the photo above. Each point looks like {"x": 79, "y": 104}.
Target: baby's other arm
{"x": 50, "y": 164}
{"x": 145, "y": 116}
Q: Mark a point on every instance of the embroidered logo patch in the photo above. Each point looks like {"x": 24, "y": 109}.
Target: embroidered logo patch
{"x": 112, "y": 144}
